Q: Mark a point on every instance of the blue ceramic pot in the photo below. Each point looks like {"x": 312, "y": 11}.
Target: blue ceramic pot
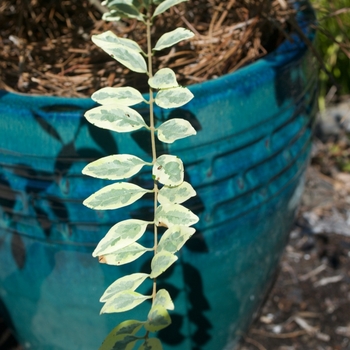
{"x": 247, "y": 164}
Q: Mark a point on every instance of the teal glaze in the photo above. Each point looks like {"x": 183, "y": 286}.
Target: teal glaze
{"x": 247, "y": 164}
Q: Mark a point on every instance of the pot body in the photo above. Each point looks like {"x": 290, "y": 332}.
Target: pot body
{"x": 246, "y": 163}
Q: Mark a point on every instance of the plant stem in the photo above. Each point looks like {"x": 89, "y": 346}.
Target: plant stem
{"x": 153, "y": 140}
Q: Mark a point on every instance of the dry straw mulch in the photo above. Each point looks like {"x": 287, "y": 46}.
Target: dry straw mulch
{"x": 45, "y": 46}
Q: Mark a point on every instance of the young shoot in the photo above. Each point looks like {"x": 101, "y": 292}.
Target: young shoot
{"x": 120, "y": 244}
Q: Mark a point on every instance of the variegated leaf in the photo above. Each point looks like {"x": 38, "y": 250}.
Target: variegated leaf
{"x": 163, "y": 298}
{"x": 161, "y": 262}
{"x": 168, "y": 170}
{"x": 173, "y": 98}
{"x": 174, "y": 238}
{"x": 130, "y": 282}
{"x": 165, "y": 78}
{"x": 175, "y": 129}
{"x": 125, "y": 51}
{"x": 172, "y": 38}
{"x": 126, "y": 8}
{"x": 127, "y": 96}
{"x": 124, "y": 301}
{"x": 158, "y": 318}
{"x": 116, "y": 118}
{"x": 120, "y": 342}
{"x": 165, "y": 5}
{"x": 115, "y": 196}
{"x": 176, "y": 195}
{"x": 151, "y": 344}
{"x": 112, "y": 16}
{"x": 115, "y": 167}
{"x": 128, "y": 58}
{"x": 128, "y": 327}
{"x": 176, "y": 214}
{"x": 108, "y": 38}
{"x": 122, "y": 337}
{"x": 120, "y": 235}
{"x": 124, "y": 256}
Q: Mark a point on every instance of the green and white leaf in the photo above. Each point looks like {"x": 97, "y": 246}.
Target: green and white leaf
{"x": 174, "y": 238}
{"x": 176, "y": 214}
{"x": 175, "y": 129}
{"x": 120, "y": 342}
{"x": 161, "y": 262}
{"x": 128, "y": 282}
{"x": 116, "y": 118}
{"x": 124, "y": 301}
{"x": 122, "y": 337}
{"x": 173, "y": 98}
{"x": 148, "y": 3}
{"x": 158, "y": 318}
{"x": 128, "y": 327}
{"x": 176, "y": 195}
{"x": 108, "y": 39}
{"x": 115, "y": 196}
{"x": 125, "y": 51}
{"x": 168, "y": 170}
{"x": 127, "y": 96}
{"x": 126, "y": 8}
{"x": 172, "y": 38}
{"x": 120, "y": 235}
{"x": 115, "y": 167}
{"x": 112, "y": 16}
{"x": 165, "y": 5}
{"x": 163, "y": 298}
{"x": 165, "y": 78}
{"x": 127, "y": 57}
{"x": 151, "y": 344}
{"x": 124, "y": 256}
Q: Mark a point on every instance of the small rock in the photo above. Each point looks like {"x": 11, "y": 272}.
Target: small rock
{"x": 333, "y": 122}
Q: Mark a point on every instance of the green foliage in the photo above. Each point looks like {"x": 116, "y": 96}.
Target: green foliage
{"x": 120, "y": 236}
{"x": 115, "y": 167}
{"x": 158, "y": 318}
{"x": 127, "y": 96}
{"x": 333, "y": 43}
{"x": 172, "y": 38}
{"x": 168, "y": 170}
{"x": 176, "y": 195}
{"x": 116, "y": 118}
{"x": 115, "y": 196}
{"x": 175, "y": 129}
{"x": 124, "y": 255}
{"x": 120, "y": 244}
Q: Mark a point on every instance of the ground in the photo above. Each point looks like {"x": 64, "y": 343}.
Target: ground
{"x": 309, "y": 305}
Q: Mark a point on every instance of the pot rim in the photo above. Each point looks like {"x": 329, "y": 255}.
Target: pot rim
{"x": 283, "y": 54}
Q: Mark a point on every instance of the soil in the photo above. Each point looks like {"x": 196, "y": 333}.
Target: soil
{"x": 45, "y": 46}
{"x": 309, "y": 305}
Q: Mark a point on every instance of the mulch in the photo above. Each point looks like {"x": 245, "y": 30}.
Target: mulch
{"x": 45, "y": 46}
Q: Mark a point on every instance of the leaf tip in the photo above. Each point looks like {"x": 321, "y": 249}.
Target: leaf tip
{"x": 102, "y": 259}
{"x": 86, "y": 203}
